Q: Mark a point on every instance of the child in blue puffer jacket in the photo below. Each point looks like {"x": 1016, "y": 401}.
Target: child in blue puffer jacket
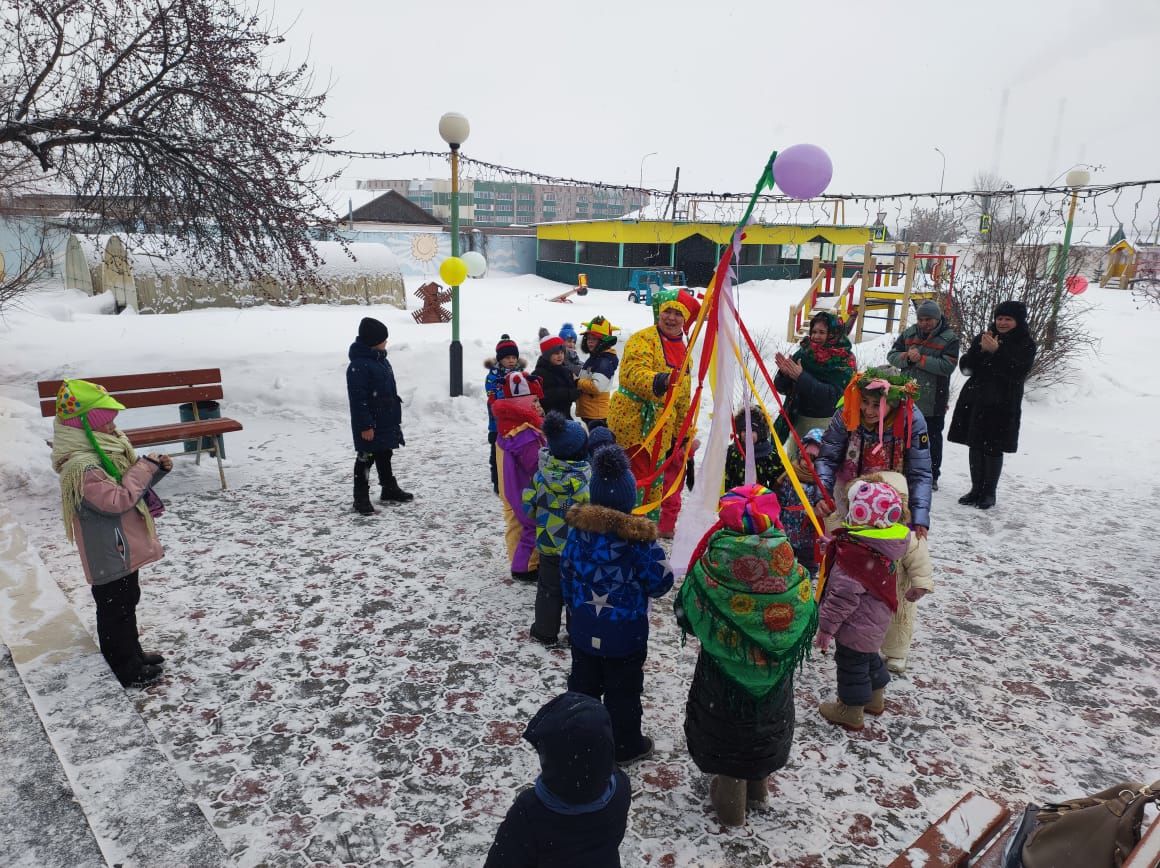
{"x": 560, "y": 483}
{"x": 611, "y": 566}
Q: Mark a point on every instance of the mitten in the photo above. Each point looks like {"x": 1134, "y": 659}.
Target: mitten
{"x": 660, "y": 384}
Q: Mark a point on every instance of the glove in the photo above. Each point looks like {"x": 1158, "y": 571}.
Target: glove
{"x": 822, "y": 641}
{"x": 689, "y": 479}
{"x": 661, "y": 384}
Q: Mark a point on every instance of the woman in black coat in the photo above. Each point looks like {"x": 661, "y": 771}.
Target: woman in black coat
{"x": 989, "y": 408}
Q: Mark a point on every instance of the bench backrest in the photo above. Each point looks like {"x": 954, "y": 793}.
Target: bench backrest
{"x": 146, "y": 390}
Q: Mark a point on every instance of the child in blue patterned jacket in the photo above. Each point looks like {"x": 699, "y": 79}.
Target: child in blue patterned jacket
{"x": 610, "y": 567}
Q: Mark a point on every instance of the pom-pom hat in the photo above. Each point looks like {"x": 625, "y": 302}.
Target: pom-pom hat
{"x": 550, "y": 344}
{"x": 599, "y": 436}
{"x": 518, "y": 384}
{"x": 506, "y": 348}
{"x": 613, "y": 484}
{"x": 567, "y": 332}
{"x": 567, "y": 439}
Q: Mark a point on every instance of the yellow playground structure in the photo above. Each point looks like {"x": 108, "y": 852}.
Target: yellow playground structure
{"x": 880, "y": 293}
{"x": 1121, "y": 265}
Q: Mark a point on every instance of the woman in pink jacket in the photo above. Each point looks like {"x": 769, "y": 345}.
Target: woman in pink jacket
{"x": 108, "y": 507}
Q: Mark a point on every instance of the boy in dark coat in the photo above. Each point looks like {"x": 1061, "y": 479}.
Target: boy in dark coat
{"x": 928, "y": 351}
{"x": 576, "y": 814}
{"x": 990, "y": 406}
{"x": 376, "y": 415}
{"x": 560, "y": 390}
{"x": 610, "y": 567}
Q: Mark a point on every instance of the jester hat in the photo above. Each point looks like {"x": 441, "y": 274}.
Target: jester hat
{"x": 602, "y": 328}
{"x": 676, "y": 299}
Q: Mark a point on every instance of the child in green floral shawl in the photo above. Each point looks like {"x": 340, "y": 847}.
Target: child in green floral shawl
{"x": 749, "y": 602}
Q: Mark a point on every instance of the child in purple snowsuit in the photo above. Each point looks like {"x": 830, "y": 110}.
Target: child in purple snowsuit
{"x": 519, "y": 420}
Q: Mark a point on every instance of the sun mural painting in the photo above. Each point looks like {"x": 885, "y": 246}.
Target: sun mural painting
{"x": 424, "y": 248}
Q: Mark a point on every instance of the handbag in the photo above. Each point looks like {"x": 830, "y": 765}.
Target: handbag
{"x": 153, "y": 503}
{"x": 1096, "y": 831}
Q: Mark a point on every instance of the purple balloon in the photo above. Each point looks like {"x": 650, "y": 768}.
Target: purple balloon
{"x": 802, "y": 171}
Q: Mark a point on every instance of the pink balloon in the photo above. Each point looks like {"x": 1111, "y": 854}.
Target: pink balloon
{"x": 1076, "y": 284}
{"x": 802, "y": 171}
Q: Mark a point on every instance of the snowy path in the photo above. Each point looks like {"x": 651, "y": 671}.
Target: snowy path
{"x": 353, "y": 690}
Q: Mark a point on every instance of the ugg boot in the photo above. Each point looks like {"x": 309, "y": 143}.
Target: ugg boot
{"x": 756, "y": 793}
{"x": 727, "y": 795}
{"x": 877, "y": 703}
{"x": 848, "y": 716}
{"x": 992, "y": 470}
{"x": 897, "y": 665}
{"x": 976, "y": 459}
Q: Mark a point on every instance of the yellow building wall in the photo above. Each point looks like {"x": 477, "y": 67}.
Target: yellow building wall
{"x": 663, "y": 232}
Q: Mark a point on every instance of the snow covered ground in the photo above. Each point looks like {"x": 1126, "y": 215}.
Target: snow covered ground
{"x": 352, "y": 690}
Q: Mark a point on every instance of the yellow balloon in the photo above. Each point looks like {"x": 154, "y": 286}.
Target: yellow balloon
{"x": 453, "y": 270}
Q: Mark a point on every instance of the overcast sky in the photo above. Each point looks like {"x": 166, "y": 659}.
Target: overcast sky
{"x": 587, "y": 89}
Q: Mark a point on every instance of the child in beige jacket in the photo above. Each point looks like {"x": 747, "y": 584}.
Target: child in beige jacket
{"x": 915, "y": 581}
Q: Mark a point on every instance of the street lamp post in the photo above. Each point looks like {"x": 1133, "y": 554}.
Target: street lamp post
{"x": 454, "y": 129}
{"x": 1075, "y": 179}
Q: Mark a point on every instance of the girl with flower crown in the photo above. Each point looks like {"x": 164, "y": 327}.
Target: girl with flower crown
{"x": 877, "y": 428}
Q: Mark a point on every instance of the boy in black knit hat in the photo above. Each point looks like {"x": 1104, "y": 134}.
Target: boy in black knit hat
{"x": 610, "y": 567}
{"x": 376, "y": 415}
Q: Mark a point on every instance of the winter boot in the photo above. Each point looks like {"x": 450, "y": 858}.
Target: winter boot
{"x": 144, "y": 675}
{"x": 877, "y": 703}
{"x": 727, "y": 795}
{"x": 972, "y": 496}
{"x": 897, "y": 665}
{"x": 362, "y": 489}
{"x": 393, "y": 494}
{"x": 848, "y": 716}
{"x": 992, "y": 470}
{"x": 646, "y": 750}
{"x": 756, "y": 793}
{"x": 151, "y": 658}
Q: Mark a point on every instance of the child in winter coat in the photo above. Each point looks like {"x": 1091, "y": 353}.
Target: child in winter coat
{"x": 914, "y": 582}
{"x": 376, "y": 416}
{"x": 765, "y": 458}
{"x": 507, "y": 359}
{"x": 518, "y": 418}
{"x": 560, "y": 483}
{"x": 108, "y": 508}
{"x": 860, "y": 597}
{"x": 559, "y": 384}
{"x": 597, "y": 372}
{"x": 610, "y": 567}
{"x": 798, "y": 526}
{"x": 571, "y": 357}
{"x": 576, "y": 814}
{"x": 749, "y": 602}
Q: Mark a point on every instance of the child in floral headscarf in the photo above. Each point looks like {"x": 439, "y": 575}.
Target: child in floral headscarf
{"x": 108, "y": 508}
{"x": 750, "y": 604}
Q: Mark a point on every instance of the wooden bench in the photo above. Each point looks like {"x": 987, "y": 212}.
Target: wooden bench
{"x": 974, "y": 822}
{"x": 159, "y": 390}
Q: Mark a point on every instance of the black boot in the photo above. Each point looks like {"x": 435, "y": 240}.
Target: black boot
{"x": 391, "y": 492}
{"x": 992, "y": 470}
{"x": 362, "y": 488}
{"x": 972, "y": 496}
